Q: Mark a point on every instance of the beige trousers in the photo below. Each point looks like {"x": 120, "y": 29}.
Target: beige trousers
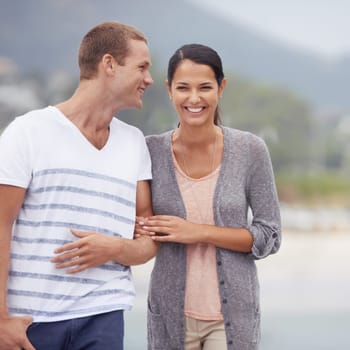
{"x": 205, "y": 335}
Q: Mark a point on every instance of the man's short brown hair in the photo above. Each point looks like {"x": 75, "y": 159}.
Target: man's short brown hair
{"x": 105, "y": 38}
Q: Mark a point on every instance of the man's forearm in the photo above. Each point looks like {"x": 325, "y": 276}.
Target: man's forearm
{"x": 134, "y": 251}
{"x": 11, "y": 199}
{"x": 4, "y": 267}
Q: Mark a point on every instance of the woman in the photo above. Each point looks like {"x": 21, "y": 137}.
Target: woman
{"x": 204, "y": 291}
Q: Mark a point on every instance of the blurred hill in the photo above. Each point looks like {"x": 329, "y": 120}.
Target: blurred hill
{"x": 43, "y": 36}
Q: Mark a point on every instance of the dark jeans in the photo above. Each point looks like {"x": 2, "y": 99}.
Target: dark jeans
{"x": 99, "y": 332}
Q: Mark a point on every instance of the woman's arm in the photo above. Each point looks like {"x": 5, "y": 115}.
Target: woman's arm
{"x": 178, "y": 230}
{"x": 263, "y": 201}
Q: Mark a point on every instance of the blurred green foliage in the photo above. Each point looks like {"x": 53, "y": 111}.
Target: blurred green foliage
{"x": 327, "y": 187}
{"x": 280, "y": 118}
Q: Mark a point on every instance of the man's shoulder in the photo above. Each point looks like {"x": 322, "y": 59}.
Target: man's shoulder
{"x": 37, "y": 113}
{"x": 31, "y": 119}
{"x": 126, "y": 128}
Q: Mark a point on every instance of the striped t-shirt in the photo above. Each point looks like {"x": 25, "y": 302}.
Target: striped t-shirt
{"x": 70, "y": 184}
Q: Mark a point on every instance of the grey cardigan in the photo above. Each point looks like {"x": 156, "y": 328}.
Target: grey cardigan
{"x": 245, "y": 180}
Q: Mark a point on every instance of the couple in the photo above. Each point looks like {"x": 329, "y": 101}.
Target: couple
{"x": 72, "y": 178}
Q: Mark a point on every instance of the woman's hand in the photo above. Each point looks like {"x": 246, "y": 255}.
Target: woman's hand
{"x": 139, "y": 231}
{"x": 165, "y": 228}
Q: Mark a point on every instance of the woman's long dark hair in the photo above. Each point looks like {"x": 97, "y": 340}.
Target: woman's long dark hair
{"x": 199, "y": 54}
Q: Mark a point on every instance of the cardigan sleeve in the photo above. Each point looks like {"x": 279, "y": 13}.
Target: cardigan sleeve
{"x": 263, "y": 201}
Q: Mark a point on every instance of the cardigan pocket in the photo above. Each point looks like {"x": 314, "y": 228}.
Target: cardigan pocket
{"x": 248, "y": 329}
{"x": 158, "y": 337}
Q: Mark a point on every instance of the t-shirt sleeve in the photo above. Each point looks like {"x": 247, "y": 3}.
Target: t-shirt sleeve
{"x": 15, "y": 157}
{"x": 145, "y": 167}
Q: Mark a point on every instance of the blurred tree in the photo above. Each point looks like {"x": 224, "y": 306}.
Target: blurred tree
{"x": 278, "y": 116}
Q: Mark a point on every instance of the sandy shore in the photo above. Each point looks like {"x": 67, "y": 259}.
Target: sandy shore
{"x": 310, "y": 272}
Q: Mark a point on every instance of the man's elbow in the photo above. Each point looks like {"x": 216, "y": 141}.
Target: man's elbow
{"x": 148, "y": 250}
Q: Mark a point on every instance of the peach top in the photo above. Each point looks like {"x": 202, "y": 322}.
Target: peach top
{"x": 202, "y": 299}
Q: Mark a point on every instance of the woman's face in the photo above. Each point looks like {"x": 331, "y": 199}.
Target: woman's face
{"x": 195, "y": 93}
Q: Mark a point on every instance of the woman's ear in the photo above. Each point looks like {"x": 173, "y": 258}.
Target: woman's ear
{"x": 169, "y": 89}
{"x": 222, "y": 87}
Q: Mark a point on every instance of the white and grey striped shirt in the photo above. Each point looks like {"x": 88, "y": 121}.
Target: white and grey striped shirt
{"x": 70, "y": 184}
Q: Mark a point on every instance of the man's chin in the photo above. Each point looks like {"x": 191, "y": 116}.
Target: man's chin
{"x": 139, "y": 106}
{"x": 133, "y": 106}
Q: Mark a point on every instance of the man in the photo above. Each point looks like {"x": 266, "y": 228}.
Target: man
{"x": 72, "y": 178}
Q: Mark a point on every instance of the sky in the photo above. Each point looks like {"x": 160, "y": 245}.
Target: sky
{"x": 319, "y": 26}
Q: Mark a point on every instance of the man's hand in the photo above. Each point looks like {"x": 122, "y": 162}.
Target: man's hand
{"x": 90, "y": 250}
{"x": 13, "y": 333}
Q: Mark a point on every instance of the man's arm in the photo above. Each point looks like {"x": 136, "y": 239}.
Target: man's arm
{"x": 12, "y": 329}
{"x": 94, "y": 249}
{"x": 139, "y": 250}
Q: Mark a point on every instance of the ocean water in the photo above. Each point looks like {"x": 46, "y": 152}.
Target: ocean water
{"x": 305, "y": 295}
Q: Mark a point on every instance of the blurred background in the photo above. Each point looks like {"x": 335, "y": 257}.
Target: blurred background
{"x": 288, "y": 70}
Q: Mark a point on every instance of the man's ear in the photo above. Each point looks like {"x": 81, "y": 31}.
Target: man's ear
{"x": 109, "y": 64}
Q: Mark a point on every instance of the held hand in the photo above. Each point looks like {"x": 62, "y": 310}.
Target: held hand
{"x": 172, "y": 229}
{"x": 13, "y": 333}
{"x": 139, "y": 231}
{"x": 90, "y": 250}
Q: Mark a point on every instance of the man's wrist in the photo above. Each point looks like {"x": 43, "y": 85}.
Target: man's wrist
{"x": 117, "y": 248}
{"x": 4, "y": 313}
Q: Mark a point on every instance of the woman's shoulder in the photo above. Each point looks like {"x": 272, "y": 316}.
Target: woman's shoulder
{"x": 242, "y": 136}
{"x": 158, "y": 139}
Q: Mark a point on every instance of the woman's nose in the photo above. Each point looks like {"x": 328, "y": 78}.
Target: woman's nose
{"x": 195, "y": 97}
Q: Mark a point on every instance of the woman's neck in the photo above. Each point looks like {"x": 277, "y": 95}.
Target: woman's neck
{"x": 198, "y": 152}
{"x": 196, "y": 136}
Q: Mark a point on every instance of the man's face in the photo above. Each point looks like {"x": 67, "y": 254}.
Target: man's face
{"x": 133, "y": 77}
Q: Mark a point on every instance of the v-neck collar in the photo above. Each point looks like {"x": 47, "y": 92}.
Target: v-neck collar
{"x": 68, "y": 122}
